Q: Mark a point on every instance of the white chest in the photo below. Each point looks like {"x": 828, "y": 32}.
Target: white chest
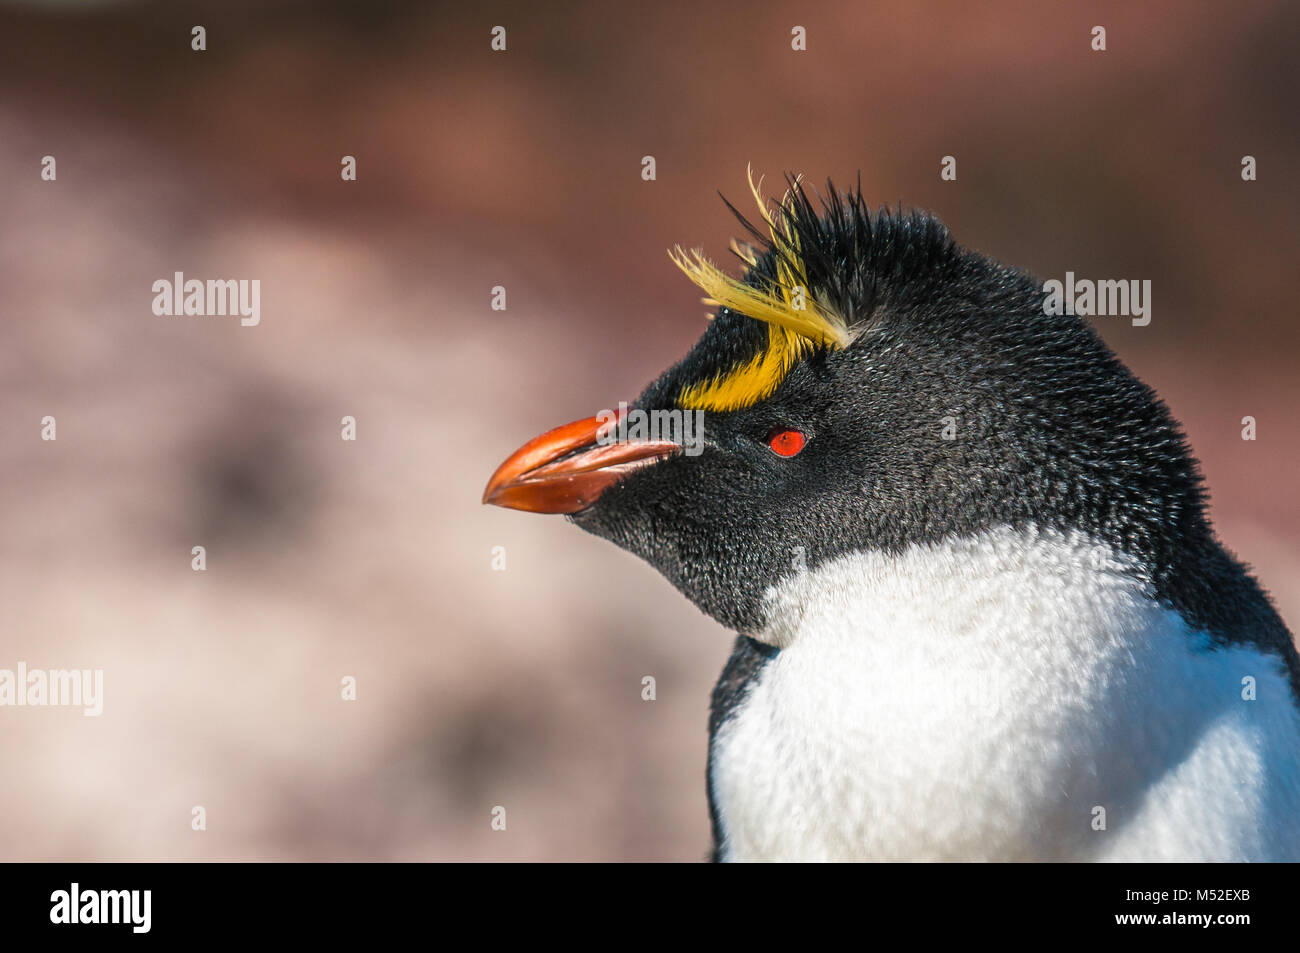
{"x": 1002, "y": 698}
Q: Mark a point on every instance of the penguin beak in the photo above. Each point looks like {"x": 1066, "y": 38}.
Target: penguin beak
{"x": 566, "y": 469}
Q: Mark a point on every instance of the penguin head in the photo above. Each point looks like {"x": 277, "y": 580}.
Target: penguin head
{"x": 866, "y": 384}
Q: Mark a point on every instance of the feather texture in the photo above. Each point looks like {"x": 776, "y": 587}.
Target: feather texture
{"x": 797, "y": 321}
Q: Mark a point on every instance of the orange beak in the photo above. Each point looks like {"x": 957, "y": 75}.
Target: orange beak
{"x": 566, "y": 469}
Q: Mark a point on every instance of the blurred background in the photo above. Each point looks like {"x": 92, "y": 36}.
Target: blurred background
{"x": 519, "y": 688}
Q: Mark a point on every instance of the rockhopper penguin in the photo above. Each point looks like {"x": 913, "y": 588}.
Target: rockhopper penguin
{"x": 983, "y": 612}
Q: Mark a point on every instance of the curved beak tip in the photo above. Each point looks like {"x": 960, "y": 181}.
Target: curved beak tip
{"x": 565, "y": 470}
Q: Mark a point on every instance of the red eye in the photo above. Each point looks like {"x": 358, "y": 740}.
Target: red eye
{"x": 786, "y": 443}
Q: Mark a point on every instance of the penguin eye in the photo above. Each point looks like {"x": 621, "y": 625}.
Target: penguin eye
{"x": 785, "y": 443}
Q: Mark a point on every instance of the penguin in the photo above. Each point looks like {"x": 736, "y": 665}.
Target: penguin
{"x": 980, "y": 610}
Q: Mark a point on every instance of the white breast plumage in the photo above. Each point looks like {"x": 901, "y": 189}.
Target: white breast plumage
{"x": 1015, "y": 696}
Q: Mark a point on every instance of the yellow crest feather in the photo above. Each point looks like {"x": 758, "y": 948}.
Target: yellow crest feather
{"x": 796, "y": 322}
